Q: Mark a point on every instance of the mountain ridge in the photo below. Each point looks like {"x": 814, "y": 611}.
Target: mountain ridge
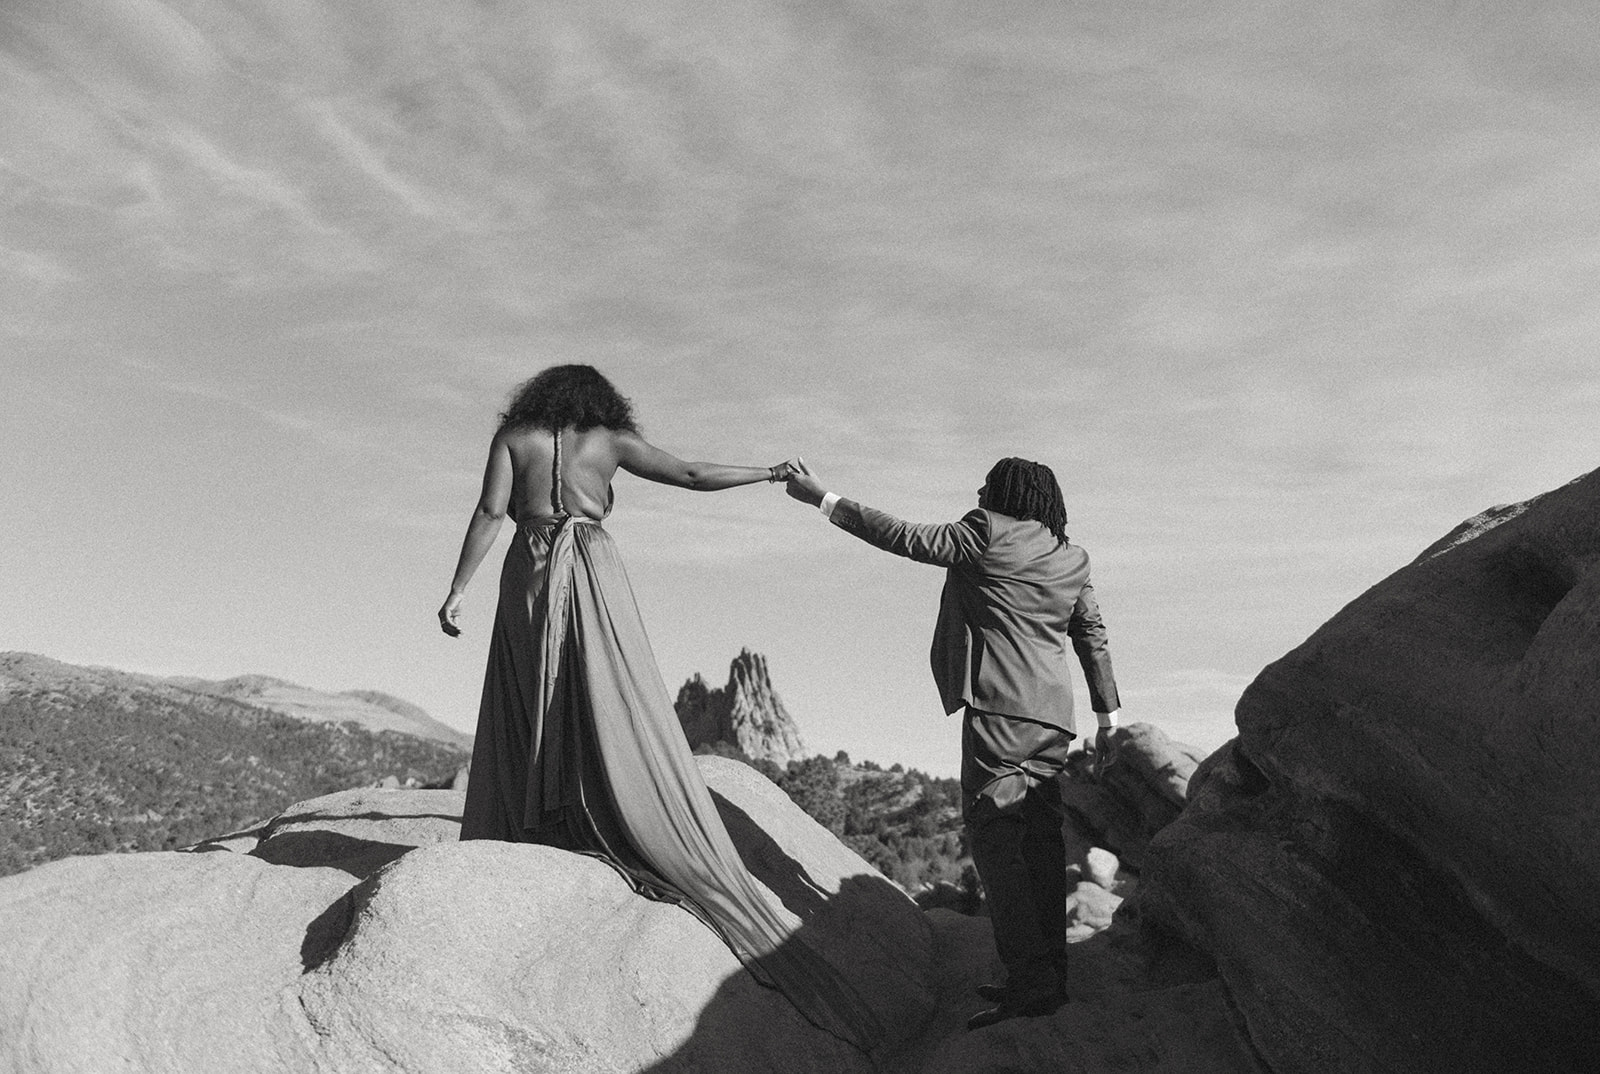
{"x": 372, "y": 710}
{"x": 93, "y": 759}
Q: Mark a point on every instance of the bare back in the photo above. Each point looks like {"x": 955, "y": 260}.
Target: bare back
{"x": 589, "y": 460}
{"x": 532, "y": 475}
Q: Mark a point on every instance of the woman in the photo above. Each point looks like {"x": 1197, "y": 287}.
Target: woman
{"x": 578, "y": 745}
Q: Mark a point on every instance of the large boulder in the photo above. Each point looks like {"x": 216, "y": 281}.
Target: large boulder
{"x": 859, "y": 920}
{"x": 356, "y": 933}
{"x": 1125, "y": 1014}
{"x": 488, "y": 956}
{"x": 159, "y": 963}
{"x": 1395, "y": 863}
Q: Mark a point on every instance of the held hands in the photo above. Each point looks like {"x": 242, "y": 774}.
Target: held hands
{"x": 448, "y": 613}
{"x": 803, "y": 484}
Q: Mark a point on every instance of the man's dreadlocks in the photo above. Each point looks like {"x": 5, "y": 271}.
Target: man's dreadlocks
{"x": 1027, "y": 490}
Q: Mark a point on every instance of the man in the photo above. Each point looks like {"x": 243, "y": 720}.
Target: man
{"x": 1015, "y": 592}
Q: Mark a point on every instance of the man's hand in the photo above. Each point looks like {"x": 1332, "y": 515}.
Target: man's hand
{"x": 803, "y": 484}
{"x": 1104, "y": 751}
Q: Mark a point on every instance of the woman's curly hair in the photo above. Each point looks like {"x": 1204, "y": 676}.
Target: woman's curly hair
{"x": 578, "y": 396}
{"x": 1027, "y": 490}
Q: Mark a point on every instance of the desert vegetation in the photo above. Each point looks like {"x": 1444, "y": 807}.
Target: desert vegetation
{"x": 95, "y": 771}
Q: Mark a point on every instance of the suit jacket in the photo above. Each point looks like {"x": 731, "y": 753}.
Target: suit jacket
{"x": 1013, "y": 596}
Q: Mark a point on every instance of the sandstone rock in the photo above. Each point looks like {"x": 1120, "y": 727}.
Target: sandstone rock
{"x": 1090, "y": 909}
{"x": 1138, "y": 796}
{"x": 163, "y": 963}
{"x": 746, "y": 714}
{"x": 1100, "y": 867}
{"x": 360, "y": 830}
{"x": 1123, "y": 1016}
{"x": 1395, "y": 863}
{"x": 449, "y": 956}
{"x": 857, "y": 918}
{"x": 586, "y": 976}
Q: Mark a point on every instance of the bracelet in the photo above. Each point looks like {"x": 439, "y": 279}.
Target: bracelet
{"x": 772, "y": 475}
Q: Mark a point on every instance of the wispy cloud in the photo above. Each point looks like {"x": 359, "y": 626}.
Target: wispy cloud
{"x": 1281, "y": 294}
{"x": 33, "y": 270}
{"x": 255, "y": 184}
{"x": 367, "y": 159}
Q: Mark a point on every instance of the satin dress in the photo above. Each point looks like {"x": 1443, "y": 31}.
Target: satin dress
{"x": 579, "y": 747}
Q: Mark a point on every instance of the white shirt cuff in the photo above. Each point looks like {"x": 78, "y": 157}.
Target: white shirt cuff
{"x": 829, "y": 501}
{"x": 1107, "y": 719}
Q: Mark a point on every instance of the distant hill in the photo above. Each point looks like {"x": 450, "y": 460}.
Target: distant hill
{"x": 370, "y": 709}
{"x": 95, "y": 759}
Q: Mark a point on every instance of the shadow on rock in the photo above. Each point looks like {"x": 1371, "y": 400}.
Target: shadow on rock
{"x": 868, "y": 1007}
{"x": 358, "y": 857}
{"x": 1347, "y": 950}
{"x": 771, "y": 864}
{"x": 326, "y": 932}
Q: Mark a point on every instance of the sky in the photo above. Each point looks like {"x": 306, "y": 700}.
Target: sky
{"x": 1281, "y": 291}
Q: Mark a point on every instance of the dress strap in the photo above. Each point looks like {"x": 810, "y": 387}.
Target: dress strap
{"x": 555, "y": 477}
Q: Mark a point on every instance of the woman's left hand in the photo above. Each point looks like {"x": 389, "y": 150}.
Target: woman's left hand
{"x": 448, "y": 613}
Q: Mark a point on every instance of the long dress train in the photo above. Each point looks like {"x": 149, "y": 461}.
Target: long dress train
{"x": 579, "y": 746}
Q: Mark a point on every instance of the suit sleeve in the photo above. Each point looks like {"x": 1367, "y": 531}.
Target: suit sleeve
{"x": 947, "y": 544}
{"x": 1088, "y": 636}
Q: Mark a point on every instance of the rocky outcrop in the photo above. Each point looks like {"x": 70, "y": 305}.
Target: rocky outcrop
{"x": 1391, "y": 869}
{"x": 162, "y": 962}
{"x": 355, "y": 933}
{"x": 746, "y": 715}
{"x": 1135, "y": 798}
{"x": 1394, "y": 864}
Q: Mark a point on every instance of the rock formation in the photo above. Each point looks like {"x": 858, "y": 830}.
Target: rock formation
{"x": 746, "y": 715}
{"x": 1137, "y": 797}
{"x": 1391, "y": 869}
{"x": 354, "y": 933}
{"x": 1395, "y": 863}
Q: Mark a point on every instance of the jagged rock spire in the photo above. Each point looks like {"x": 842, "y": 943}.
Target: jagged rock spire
{"x": 746, "y": 714}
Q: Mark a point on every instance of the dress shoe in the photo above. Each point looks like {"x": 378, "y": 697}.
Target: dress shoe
{"x": 1018, "y": 1007}
{"x": 994, "y": 993}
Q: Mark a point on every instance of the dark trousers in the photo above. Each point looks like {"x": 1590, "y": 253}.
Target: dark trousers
{"x": 1011, "y": 804}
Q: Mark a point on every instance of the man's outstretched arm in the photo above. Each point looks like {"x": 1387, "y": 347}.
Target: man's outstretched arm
{"x": 946, "y": 544}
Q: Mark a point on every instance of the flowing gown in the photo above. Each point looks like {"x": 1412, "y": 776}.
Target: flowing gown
{"x": 579, "y": 747}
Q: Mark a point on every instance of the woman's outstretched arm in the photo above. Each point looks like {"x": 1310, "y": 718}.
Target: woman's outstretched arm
{"x": 643, "y": 459}
{"x": 481, "y": 530}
